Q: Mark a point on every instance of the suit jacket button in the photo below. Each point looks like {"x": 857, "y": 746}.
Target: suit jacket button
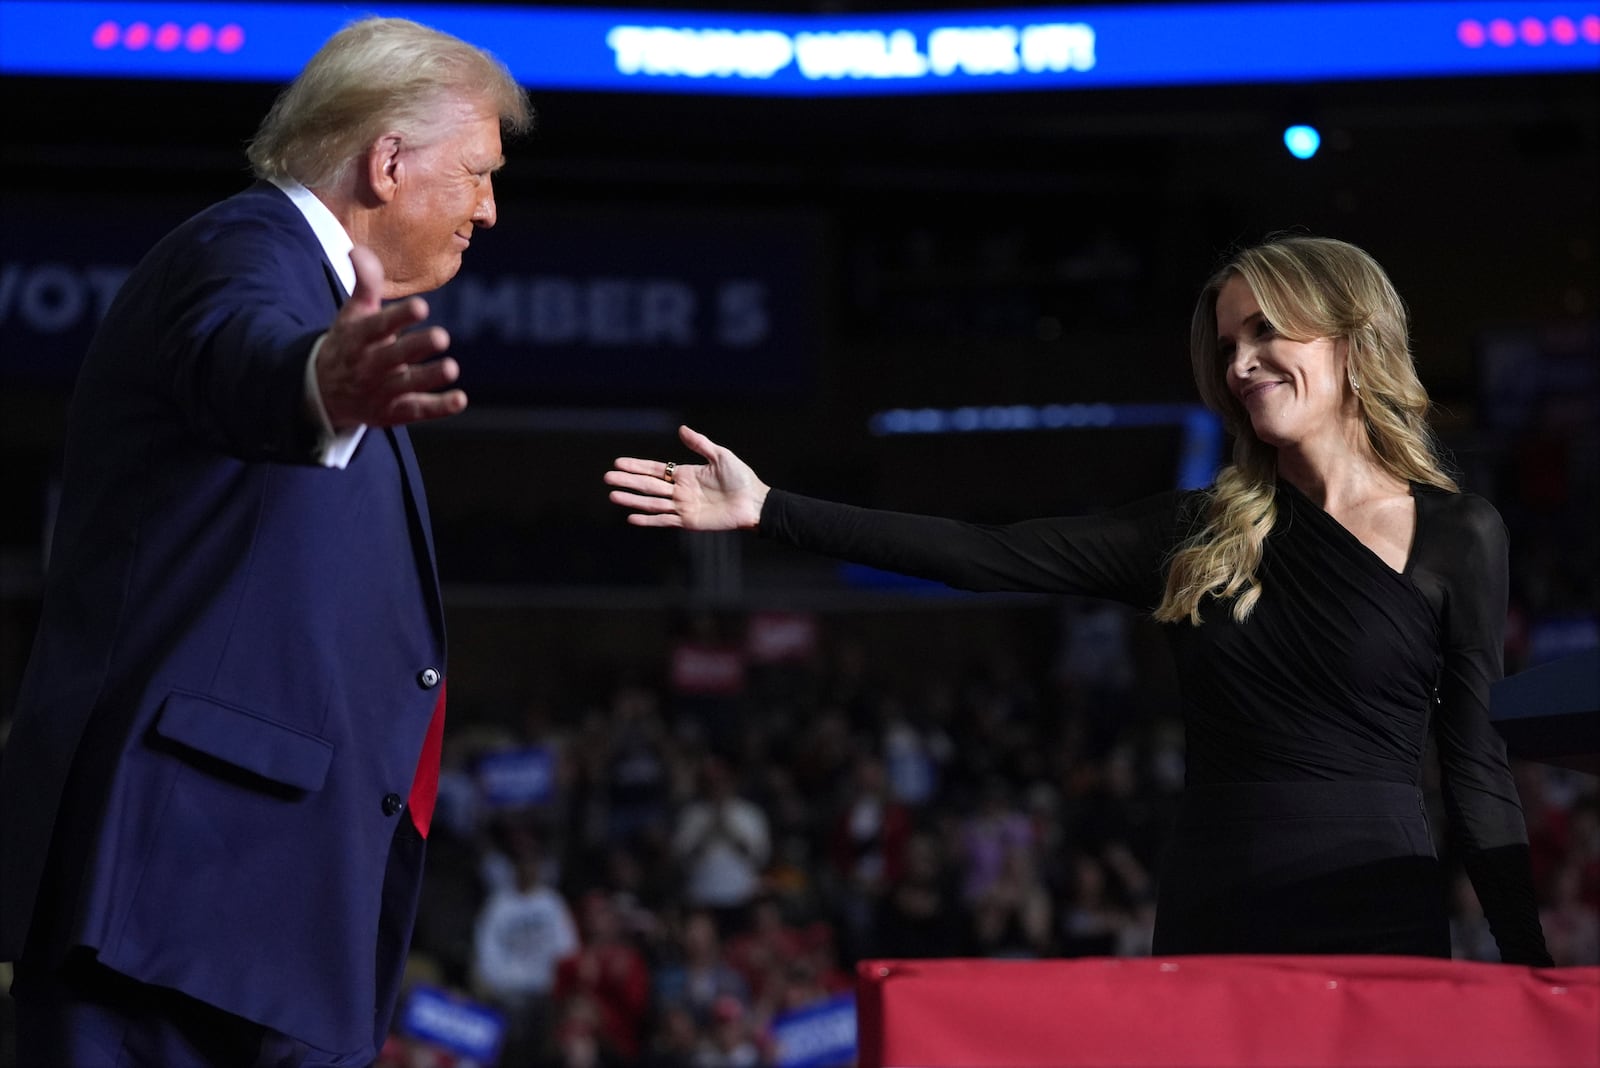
{"x": 427, "y": 678}
{"x": 392, "y": 804}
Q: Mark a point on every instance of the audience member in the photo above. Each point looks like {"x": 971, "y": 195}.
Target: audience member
{"x": 721, "y": 843}
{"x": 922, "y": 915}
{"x": 697, "y": 974}
{"x": 522, "y": 933}
{"x": 603, "y": 990}
{"x": 868, "y": 844}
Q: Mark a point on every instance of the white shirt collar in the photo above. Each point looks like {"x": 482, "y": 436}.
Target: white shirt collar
{"x": 335, "y": 242}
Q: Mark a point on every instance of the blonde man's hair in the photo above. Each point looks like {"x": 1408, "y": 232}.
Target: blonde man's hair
{"x": 1308, "y": 287}
{"x": 374, "y": 75}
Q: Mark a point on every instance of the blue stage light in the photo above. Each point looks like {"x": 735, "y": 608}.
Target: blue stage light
{"x": 1302, "y": 141}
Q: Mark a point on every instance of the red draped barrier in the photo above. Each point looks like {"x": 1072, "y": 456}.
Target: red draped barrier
{"x": 1244, "y": 1011}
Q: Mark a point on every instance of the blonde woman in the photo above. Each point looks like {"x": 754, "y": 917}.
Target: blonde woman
{"x": 1330, "y": 600}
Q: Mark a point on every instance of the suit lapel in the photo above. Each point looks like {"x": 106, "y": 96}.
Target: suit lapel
{"x": 334, "y": 284}
{"x": 418, "y": 502}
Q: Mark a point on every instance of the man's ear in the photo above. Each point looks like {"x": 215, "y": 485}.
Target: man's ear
{"x": 384, "y": 167}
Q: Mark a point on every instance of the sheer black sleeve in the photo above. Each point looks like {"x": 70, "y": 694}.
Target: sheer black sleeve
{"x": 1462, "y": 556}
{"x": 1120, "y": 555}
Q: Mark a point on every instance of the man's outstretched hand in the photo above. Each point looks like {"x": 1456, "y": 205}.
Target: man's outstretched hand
{"x": 373, "y": 370}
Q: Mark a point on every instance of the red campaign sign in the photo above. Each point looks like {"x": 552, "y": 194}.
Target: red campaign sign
{"x": 1243, "y": 1011}
{"x": 781, "y": 637}
{"x": 707, "y": 670}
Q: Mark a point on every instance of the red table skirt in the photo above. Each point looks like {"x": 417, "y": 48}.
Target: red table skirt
{"x": 1267, "y": 1011}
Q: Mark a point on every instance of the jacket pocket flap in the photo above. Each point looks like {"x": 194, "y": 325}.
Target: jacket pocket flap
{"x": 245, "y": 740}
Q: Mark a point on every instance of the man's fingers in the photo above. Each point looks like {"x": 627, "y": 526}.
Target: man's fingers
{"x": 393, "y": 318}
{"x": 419, "y": 345}
{"x": 378, "y": 360}
{"x": 424, "y": 377}
{"x": 420, "y": 407}
{"x": 373, "y": 327}
{"x": 369, "y": 277}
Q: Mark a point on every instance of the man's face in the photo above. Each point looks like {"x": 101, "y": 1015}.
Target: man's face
{"x": 443, "y": 190}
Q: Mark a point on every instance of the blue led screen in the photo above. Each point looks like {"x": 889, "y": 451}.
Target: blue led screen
{"x": 1042, "y": 48}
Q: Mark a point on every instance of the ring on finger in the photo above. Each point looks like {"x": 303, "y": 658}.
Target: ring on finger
{"x": 671, "y": 466}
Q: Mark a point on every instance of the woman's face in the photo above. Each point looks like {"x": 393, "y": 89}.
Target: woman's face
{"x": 1293, "y": 391}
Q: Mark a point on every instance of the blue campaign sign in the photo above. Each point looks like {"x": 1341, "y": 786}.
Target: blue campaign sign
{"x": 453, "y": 1023}
{"x": 517, "y": 777}
{"x": 981, "y": 50}
{"x": 616, "y": 305}
{"x": 820, "y": 1035}
{"x": 551, "y": 306}
{"x": 60, "y": 266}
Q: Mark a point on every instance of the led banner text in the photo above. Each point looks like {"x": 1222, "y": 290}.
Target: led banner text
{"x": 1044, "y": 48}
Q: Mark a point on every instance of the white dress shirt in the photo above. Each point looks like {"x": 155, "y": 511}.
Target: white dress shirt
{"x": 334, "y": 448}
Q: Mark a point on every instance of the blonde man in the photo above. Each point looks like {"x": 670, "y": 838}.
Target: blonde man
{"x": 215, "y": 797}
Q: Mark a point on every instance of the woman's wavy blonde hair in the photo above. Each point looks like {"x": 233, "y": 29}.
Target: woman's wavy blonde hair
{"x": 375, "y": 75}
{"x": 1308, "y": 287}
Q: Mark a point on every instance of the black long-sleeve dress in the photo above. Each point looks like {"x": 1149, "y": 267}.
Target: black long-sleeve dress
{"x": 1303, "y": 828}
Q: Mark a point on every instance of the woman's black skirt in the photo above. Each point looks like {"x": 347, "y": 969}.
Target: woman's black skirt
{"x": 1312, "y": 867}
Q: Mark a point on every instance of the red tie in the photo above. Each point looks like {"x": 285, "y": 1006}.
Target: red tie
{"x": 425, "y": 787}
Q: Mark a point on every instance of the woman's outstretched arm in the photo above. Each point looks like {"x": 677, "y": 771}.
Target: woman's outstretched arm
{"x": 1119, "y": 555}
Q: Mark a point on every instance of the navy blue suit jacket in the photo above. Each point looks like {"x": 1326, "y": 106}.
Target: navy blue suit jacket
{"x": 228, "y": 690}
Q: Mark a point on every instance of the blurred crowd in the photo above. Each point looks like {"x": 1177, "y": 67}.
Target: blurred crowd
{"x": 656, "y": 865}
{"x": 658, "y": 874}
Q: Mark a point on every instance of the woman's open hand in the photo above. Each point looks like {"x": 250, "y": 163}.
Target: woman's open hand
{"x": 720, "y": 494}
